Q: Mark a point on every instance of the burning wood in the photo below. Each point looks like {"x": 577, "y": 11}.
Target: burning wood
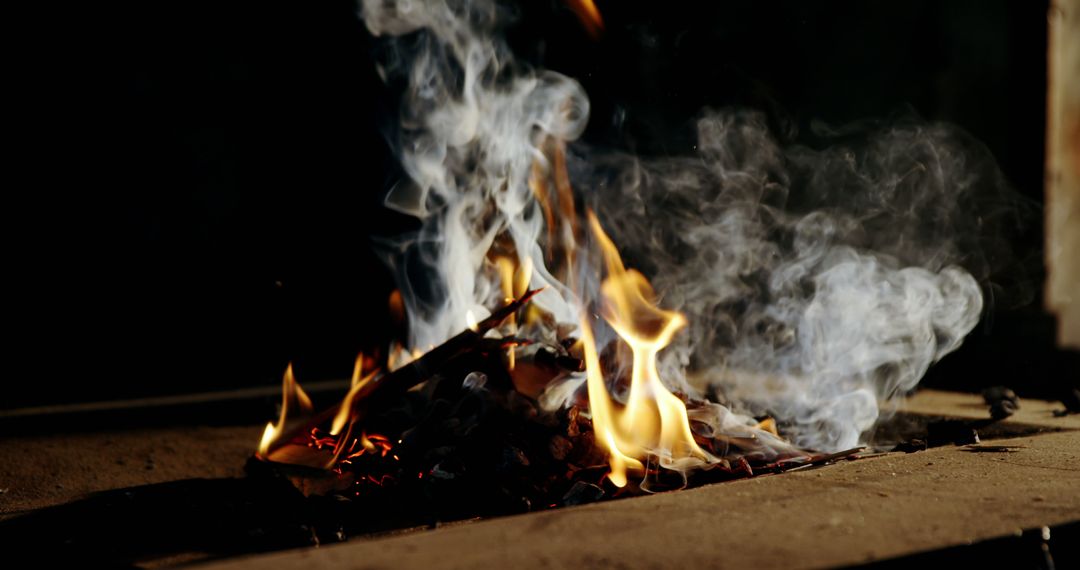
{"x": 472, "y": 443}
{"x": 602, "y": 404}
{"x": 386, "y": 387}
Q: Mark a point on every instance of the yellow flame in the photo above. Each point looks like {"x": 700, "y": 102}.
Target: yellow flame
{"x": 399, "y": 356}
{"x": 653, "y": 421}
{"x": 290, "y": 391}
{"x": 366, "y": 443}
{"x": 359, "y": 381}
{"x": 514, "y": 282}
{"x": 522, "y": 277}
{"x": 505, "y": 266}
{"x": 357, "y": 371}
{"x": 769, "y": 425}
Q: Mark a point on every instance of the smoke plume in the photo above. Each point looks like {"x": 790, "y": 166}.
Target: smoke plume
{"x": 818, "y": 282}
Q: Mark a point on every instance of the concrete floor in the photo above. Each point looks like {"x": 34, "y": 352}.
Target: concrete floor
{"x": 848, "y": 513}
{"x": 42, "y": 471}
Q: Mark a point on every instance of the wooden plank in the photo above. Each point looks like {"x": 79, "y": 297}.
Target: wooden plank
{"x": 1063, "y": 171}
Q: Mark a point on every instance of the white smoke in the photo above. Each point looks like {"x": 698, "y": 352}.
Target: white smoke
{"x": 471, "y": 128}
{"x": 817, "y": 283}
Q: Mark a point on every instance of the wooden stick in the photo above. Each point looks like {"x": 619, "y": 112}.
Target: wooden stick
{"x": 804, "y": 463}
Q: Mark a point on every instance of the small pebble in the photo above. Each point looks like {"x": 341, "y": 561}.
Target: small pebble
{"x": 1003, "y": 402}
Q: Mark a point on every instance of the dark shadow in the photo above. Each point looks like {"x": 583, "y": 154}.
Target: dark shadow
{"x": 1042, "y": 548}
{"x": 215, "y": 517}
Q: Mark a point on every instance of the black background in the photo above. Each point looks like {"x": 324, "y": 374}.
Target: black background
{"x": 210, "y": 174}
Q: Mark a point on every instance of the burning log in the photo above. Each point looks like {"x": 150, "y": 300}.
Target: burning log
{"x": 295, "y": 450}
{"x": 475, "y": 431}
{"x": 498, "y": 213}
{"x": 474, "y": 440}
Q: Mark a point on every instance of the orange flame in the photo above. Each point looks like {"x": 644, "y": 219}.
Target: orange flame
{"x": 653, "y": 421}
{"x": 290, "y": 391}
{"x": 550, "y": 184}
{"x": 589, "y": 15}
{"x": 399, "y": 356}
